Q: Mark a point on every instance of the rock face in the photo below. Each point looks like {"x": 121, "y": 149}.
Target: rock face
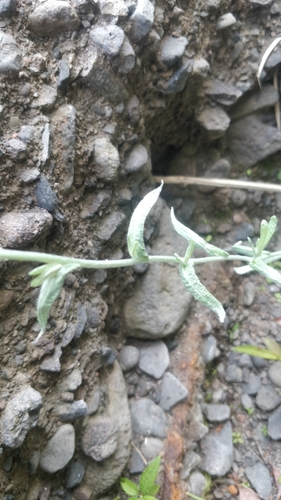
{"x": 146, "y": 316}
{"x": 20, "y": 415}
{"x": 52, "y": 18}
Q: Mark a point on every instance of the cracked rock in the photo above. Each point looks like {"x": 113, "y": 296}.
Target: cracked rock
{"x": 20, "y": 415}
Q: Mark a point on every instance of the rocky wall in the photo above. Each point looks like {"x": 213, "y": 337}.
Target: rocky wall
{"x": 95, "y": 94}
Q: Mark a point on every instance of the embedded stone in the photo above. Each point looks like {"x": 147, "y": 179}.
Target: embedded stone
{"x": 172, "y": 50}
{"x": 59, "y": 449}
{"x": 108, "y": 38}
{"x": 18, "y": 229}
{"x": 137, "y": 159}
{"x": 10, "y": 59}
{"x": 53, "y": 17}
{"x": 142, "y": 19}
{"x": 99, "y": 439}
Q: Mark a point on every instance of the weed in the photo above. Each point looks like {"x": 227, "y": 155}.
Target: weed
{"x": 147, "y": 488}
{"x": 237, "y": 438}
{"x": 264, "y": 430}
{"x": 250, "y": 411}
{"x": 51, "y": 274}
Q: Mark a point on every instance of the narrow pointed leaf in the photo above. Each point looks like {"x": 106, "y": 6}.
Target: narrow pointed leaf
{"x": 128, "y": 486}
{"x": 269, "y": 272}
{"x": 199, "y": 292}
{"x": 256, "y": 351}
{"x": 135, "y": 239}
{"x": 243, "y": 269}
{"x": 149, "y": 476}
{"x": 199, "y": 242}
{"x": 272, "y": 346}
{"x": 239, "y": 248}
{"x": 267, "y": 230}
{"x": 42, "y": 273}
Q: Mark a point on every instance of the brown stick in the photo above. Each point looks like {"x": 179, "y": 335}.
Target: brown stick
{"x": 230, "y": 183}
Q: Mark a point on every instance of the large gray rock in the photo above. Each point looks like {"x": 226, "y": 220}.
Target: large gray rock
{"x": 10, "y": 59}
{"x": 259, "y": 478}
{"x": 99, "y": 479}
{"x": 20, "y": 415}
{"x": 160, "y": 303}
{"x": 215, "y": 121}
{"x": 108, "y": 38}
{"x": 217, "y": 447}
{"x": 53, "y": 17}
{"x": 142, "y": 19}
{"x": 59, "y": 449}
{"x": 249, "y": 140}
{"x": 172, "y": 49}
{"x": 255, "y": 101}
{"x": 18, "y": 229}
{"x": 267, "y": 398}
{"x": 222, "y": 92}
{"x": 148, "y": 419}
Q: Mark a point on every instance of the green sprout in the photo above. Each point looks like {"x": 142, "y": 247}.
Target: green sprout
{"x": 147, "y": 488}
{"x": 237, "y": 438}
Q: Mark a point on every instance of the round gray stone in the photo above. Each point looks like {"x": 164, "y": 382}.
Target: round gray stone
{"x": 128, "y": 357}
{"x": 53, "y": 17}
{"x": 136, "y": 159}
{"x": 108, "y": 38}
{"x": 274, "y": 373}
{"x": 99, "y": 440}
{"x": 59, "y": 449}
{"x": 267, "y": 398}
{"x": 151, "y": 447}
{"x": 154, "y": 359}
{"x": 147, "y": 418}
{"x": 217, "y": 412}
{"x": 172, "y": 50}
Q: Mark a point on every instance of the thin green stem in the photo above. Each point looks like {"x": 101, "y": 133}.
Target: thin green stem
{"x": 46, "y": 258}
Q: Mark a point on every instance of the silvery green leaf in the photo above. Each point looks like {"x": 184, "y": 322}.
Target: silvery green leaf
{"x": 269, "y": 272}
{"x": 199, "y": 292}
{"x": 267, "y": 230}
{"x": 135, "y": 240}
{"x": 199, "y": 242}
{"x": 49, "y": 291}
{"x": 42, "y": 272}
{"x": 239, "y": 248}
{"x": 243, "y": 269}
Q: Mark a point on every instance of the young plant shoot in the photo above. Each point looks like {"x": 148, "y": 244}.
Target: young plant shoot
{"x": 51, "y": 275}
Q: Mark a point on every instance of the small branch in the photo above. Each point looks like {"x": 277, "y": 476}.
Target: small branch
{"x": 229, "y": 183}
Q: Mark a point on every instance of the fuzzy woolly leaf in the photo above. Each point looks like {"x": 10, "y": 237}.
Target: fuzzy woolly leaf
{"x": 42, "y": 272}
{"x": 135, "y": 240}
{"x": 128, "y": 486}
{"x": 199, "y": 292}
{"x": 267, "y": 230}
{"x": 256, "y": 351}
{"x": 149, "y": 476}
{"x": 269, "y": 272}
{"x": 243, "y": 269}
{"x": 191, "y": 236}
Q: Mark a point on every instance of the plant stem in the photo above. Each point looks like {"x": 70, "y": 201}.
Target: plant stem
{"x": 46, "y": 258}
